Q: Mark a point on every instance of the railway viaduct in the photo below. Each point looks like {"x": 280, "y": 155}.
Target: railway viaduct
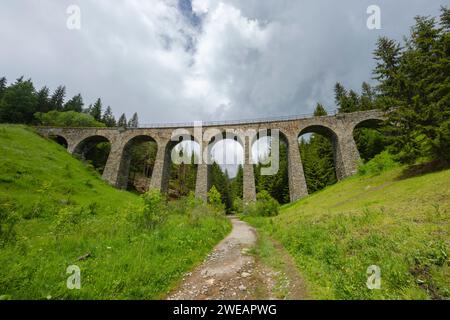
{"x": 339, "y": 128}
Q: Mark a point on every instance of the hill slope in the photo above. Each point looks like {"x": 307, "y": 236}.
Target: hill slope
{"x": 53, "y": 210}
{"x": 400, "y": 225}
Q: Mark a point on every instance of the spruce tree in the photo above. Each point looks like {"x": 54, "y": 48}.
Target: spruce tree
{"x": 43, "y": 100}
{"x": 108, "y": 118}
{"x": 134, "y": 122}
{"x": 122, "y": 123}
{"x": 57, "y": 99}
{"x": 75, "y": 104}
{"x": 96, "y": 110}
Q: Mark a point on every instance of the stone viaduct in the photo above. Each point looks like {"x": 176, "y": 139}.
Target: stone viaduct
{"x": 339, "y": 128}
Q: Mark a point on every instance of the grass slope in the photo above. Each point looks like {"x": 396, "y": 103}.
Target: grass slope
{"x": 64, "y": 211}
{"x": 400, "y": 225}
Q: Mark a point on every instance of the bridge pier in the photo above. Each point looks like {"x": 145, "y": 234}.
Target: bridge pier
{"x": 160, "y": 174}
{"x": 113, "y": 172}
{"x": 296, "y": 176}
{"x": 202, "y": 183}
{"x": 346, "y": 155}
{"x": 249, "y": 189}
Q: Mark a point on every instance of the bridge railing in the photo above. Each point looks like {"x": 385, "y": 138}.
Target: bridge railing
{"x": 232, "y": 122}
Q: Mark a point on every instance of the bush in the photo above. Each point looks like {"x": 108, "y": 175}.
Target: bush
{"x": 214, "y": 198}
{"x": 153, "y": 212}
{"x": 67, "y": 119}
{"x": 381, "y": 162}
{"x": 265, "y": 206}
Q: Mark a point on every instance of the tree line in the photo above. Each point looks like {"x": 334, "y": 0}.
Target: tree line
{"x": 20, "y": 102}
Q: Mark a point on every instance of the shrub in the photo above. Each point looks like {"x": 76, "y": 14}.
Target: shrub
{"x": 153, "y": 212}
{"x": 265, "y": 206}
{"x": 214, "y": 198}
{"x": 67, "y": 119}
{"x": 381, "y": 162}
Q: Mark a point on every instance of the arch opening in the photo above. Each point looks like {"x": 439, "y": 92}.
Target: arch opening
{"x": 226, "y": 171}
{"x": 94, "y": 151}
{"x": 182, "y": 174}
{"x": 369, "y": 138}
{"x": 317, "y": 146}
{"x": 59, "y": 140}
{"x": 137, "y": 163}
{"x": 275, "y": 183}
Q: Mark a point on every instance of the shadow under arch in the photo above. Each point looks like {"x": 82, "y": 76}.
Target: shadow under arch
{"x": 95, "y": 150}
{"x": 137, "y": 163}
{"x": 59, "y": 140}
{"x": 318, "y": 151}
{"x": 369, "y": 138}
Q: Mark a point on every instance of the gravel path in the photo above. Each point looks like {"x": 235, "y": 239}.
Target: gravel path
{"x": 229, "y": 271}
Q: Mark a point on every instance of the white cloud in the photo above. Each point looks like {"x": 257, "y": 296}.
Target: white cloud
{"x": 238, "y": 59}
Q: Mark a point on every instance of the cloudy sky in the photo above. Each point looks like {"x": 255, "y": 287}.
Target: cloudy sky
{"x": 184, "y": 60}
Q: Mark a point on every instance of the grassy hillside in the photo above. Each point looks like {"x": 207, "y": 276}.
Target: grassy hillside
{"x": 54, "y": 210}
{"x": 399, "y": 224}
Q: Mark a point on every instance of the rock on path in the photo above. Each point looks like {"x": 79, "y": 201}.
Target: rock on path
{"x": 229, "y": 271}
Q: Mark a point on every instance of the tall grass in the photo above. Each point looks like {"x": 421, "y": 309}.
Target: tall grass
{"x": 55, "y": 212}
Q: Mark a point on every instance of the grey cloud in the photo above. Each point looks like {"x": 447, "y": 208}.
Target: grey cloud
{"x": 144, "y": 55}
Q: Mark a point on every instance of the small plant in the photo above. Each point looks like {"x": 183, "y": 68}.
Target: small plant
{"x": 153, "y": 212}
{"x": 265, "y": 206}
{"x": 381, "y": 162}
{"x": 214, "y": 198}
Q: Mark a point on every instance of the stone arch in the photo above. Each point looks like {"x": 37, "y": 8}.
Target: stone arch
{"x": 94, "y": 146}
{"x": 175, "y": 156}
{"x": 332, "y": 136}
{"x": 277, "y": 164}
{"x": 126, "y": 161}
{"x": 368, "y": 137}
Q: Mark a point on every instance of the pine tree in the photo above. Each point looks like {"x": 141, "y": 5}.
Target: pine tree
{"x": 134, "y": 122}
{"x": 122, "y": 123}
{"x": 3, "y": 85}
{"x": 320, "y": 111}
{"x": 108, "y": 118}
{"x": 96, "y": 110}
{"x": 43, "y": 100}
{"x": 19, "y": 102}
{"x": 57, "y": 99}
{"x": 75, "y": 104}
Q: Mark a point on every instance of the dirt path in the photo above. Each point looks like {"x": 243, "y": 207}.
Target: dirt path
{"x": 231, "y": 271}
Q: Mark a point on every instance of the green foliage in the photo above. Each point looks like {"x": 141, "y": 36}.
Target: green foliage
{"x": 278, "y": 184}
{"x": 414, "y": 80}
{"x": 265, "y": 206}
{"x": 400, "y": 225}
{"x": 153, "y": 212}
{"x": 380, "y": 163}
{"x": 214, "y": 198}
{"x": 81, "y": 214}
{"x": 108, "y": 118}
{"x": 8, "y": 220}
{"x": 96, "y": 110}
{"x": 122, "y": 123}
{"x": 18, "y": 103}
{"x": 57, "y": 99}
{"x": 67, "y": 119}
{"x": 75, "y": 104}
